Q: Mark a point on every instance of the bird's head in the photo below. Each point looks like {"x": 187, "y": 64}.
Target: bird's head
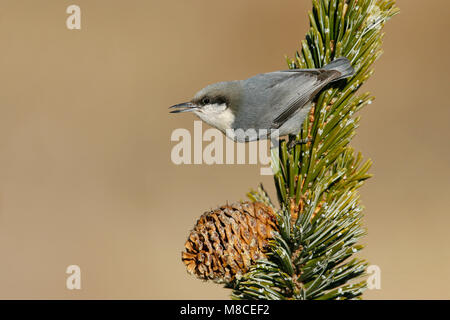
{"x": 215, "y": 104}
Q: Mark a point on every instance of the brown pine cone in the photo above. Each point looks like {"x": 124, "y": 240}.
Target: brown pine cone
{"x": 226, "y": 241}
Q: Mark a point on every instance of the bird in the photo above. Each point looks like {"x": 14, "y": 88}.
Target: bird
{"x": 255, "y": 108}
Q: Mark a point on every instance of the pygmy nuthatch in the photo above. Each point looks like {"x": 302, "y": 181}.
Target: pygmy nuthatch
{"x": 276, "y": 100}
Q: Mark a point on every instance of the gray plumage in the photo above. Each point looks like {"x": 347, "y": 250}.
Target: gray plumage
{"x": 276, "y": 100}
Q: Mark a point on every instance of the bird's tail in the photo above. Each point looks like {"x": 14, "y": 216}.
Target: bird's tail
{"x": 341, "y": 65}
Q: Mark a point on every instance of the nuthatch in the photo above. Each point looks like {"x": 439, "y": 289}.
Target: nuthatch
{"x": 276, "y": 100}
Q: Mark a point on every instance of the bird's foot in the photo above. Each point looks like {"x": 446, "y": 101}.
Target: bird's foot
{"x": 293, "y": 142}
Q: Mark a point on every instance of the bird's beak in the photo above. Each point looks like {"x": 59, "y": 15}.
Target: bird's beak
{"x": 183, "y": 107}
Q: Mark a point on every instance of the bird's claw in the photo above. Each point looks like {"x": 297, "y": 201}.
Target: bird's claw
{"x": 293, "y": 142}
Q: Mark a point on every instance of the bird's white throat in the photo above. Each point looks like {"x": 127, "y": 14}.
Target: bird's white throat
{"x": 216, "y": 115}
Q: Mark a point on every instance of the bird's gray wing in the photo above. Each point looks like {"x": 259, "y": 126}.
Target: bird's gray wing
{"x": 305, "y": 84}
{"x": 270, "y": 99}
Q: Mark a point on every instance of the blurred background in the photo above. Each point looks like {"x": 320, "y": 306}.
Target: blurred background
{"x": 85, "y": 171}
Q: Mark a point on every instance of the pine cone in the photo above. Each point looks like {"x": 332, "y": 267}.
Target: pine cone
{"x": 225, "y": 242}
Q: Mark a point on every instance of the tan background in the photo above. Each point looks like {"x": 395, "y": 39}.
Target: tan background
{"x": 85, "y": 170}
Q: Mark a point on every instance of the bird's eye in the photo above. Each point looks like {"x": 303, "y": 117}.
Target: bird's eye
{"x": 206, "y": 100}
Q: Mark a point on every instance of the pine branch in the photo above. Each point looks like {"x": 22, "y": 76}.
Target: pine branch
{"x": 319, "y": 220}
